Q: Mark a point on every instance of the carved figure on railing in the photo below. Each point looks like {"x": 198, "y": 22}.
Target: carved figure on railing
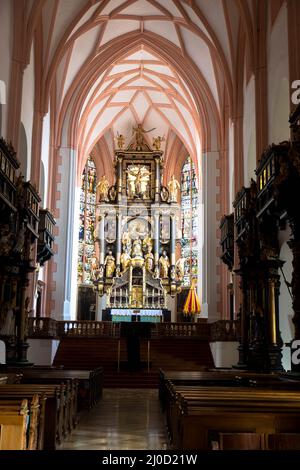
{"x": 257, "y": 324}
{"x": 164, "y": 263}
{"x": 110, "y": 264}
{"x": 173, "y": 187}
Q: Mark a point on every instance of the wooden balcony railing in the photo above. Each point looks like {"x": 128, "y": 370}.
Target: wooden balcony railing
{"x": 43, "y": 327}
{"x": 181, "y": 329}
{"x": 88, "y": 328}
{"x": 222, "y": 330}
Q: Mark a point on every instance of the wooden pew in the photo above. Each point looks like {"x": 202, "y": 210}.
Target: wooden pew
{"x": 52, "y": 428}
{"x": 19, "y": 424}
{"x": 70, "y": 396}
{"x": 90, "y": 381}
{"x": 195, "y": 412}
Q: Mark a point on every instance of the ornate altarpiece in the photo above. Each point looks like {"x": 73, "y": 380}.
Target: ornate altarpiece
{"x": 136, "y": 232}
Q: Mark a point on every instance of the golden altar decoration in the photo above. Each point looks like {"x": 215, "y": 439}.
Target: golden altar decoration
{"x": 136, "y": 230}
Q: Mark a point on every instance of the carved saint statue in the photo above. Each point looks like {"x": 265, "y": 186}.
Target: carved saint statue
{"x": 149, "y": 258}
{"x": 173, "y": 187}
{"x": 110, "y": 264}
{"x": 125, "y": 258}
{"x": 103, "y": 186}
{"x": 164, "y": 264}
{"x": 120, "y": 141}
{"x": 137, "y": 181}
{"x": 139, "y": 136}
{"x": 137, "y": 249}
{"x": 157, "y": 142}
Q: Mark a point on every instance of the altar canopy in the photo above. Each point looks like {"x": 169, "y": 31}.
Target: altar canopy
{"x": 137, "y": 229}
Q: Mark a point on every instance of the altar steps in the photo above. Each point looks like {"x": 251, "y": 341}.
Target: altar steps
{"x": 167, "y": 353}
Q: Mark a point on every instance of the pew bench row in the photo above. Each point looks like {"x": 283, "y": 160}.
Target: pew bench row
{"x": 216, "y": 415}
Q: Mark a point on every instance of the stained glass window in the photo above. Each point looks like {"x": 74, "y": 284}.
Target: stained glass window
{"x": 87, "y": 209}
{"x": 189, "y": 220}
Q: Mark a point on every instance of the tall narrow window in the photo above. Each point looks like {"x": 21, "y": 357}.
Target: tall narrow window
{"x": 189, "y": 220}
{"x": 87, "y": 210}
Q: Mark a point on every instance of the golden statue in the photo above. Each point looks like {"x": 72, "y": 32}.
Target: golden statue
{"x": 126, "y": 240}
{"x": 137, "y": 249}
{"x": 149, "y": 258}
{"x": 120, "y": 141}
{"x": 137, "y": 181}
{"x": 139, "y": 136}
{"x": 103, "y": 186}
{"x": 125, "y": 259}
{"x": 173, "y": 187}
{"x": 164, "y": 265}
{"x": 110, "y": 264}
{"x": 157, "y": 142}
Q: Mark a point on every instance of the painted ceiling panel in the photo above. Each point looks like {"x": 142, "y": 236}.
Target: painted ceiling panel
{"x": 158, "y": 97}
{"x": 141, "y": 7}
{"x": 116, "y": 28}
{"x": 171, "y": 7}
{"x": 165, "y": 29}
{"x": 202, "y": 59}
{"x": 214, "y": 13}
{"x": 85, "y": 17}
{"x": 82, "y": 48}
{"x": 66, "y": 11}
{"x": 123, "y": 96}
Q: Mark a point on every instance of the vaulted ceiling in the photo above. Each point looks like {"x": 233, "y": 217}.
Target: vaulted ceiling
{"x": 108, "y": 64}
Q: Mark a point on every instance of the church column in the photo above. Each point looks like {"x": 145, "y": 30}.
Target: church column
{"x": 156, "y": 243}
{"x": 119, "y": 181}
{"x": 157, "y": 178}
{"x": 119, "y": 239}
{"x": 172, "y": 245}
{"x": 102, "y": 244}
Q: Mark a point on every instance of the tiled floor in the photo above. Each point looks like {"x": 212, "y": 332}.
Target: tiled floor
{"x": 125, "y": 419}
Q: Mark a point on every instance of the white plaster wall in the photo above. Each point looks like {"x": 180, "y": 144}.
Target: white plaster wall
{"x": 27, "y": 110}
{"x": 74, "y": 289}
{"x": 45, "y": 156}
{"x": 225, "y": 353}
{"x": 285, "y": 302}
{"x": 278, "y": 79}
{"x": 66, "y": 236}
{"x": 5, "y": 59}
{"x": 249, "y": 132}
{"x": 210, "y": 225}
{"x": 42, "y": 351}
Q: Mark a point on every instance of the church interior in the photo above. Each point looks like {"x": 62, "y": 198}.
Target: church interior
{"x": 150, "y": 228}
